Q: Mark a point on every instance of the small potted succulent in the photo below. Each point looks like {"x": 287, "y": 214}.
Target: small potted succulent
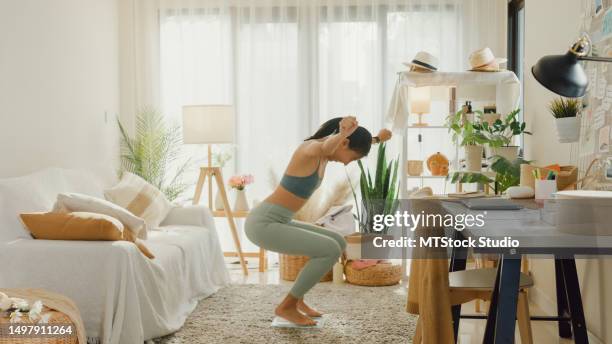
{"x": 567, "y": 120}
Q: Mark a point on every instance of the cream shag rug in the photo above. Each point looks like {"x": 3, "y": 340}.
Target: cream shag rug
{"x": 243, "y": 314}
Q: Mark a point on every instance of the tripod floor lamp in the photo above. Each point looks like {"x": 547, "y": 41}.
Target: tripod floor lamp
{"x": 212, "y": 124}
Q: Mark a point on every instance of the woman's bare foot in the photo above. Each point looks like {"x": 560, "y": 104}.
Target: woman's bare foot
{"x": 302, "y": 306}
{"x": 288, "y": 309}
{"x": 294, "y": 316}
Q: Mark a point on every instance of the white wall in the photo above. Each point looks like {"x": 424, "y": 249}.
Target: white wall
{"x": 551, "y": 32}
{"x": 58, "y": 84}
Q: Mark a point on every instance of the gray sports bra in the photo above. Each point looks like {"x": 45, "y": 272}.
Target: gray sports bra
{"x": 302, "y": 187}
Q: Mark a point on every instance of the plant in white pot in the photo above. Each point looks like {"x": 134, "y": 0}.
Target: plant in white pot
{"x": 470, "y": 136}
{"x": 500, "y": 135}
{"x": 567, "y": 120}
{"x": 379, "y": 196}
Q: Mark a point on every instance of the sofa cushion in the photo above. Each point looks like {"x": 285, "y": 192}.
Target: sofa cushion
{"x": 82, "y": 226}
{"x": 141, "y": 198}
{"x": 37, "y": 192}
{"x": 68, "y": 202}
{"x": 73, "y": 226}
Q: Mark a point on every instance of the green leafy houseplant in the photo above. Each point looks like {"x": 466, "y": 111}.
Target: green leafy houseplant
{"x": 501, "y": 132}
{"x": 507, "y": 174}
{"x": 378, "y": 195}
{"x": 465, "y": 132}
{"x": 152, "y": 151}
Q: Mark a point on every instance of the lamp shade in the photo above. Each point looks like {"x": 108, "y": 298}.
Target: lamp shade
{"x": 561, "y": 74}
{"x": 208, "y": 124}
{"x": 420, "y": 100}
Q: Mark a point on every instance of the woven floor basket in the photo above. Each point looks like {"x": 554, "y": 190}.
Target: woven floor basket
{"x": 374, "y": 276}
{"x": 290, "y": 267}
{"x": 56, "y": 318}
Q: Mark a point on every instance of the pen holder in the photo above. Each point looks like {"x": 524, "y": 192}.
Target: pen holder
{"x": 544, "y": 189}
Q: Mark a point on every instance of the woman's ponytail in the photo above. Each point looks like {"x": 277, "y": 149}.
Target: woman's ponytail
{"x": 330, "y": 127}
{"x": 360, "y": 140}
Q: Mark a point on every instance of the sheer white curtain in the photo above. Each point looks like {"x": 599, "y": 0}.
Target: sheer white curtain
{"x": 290, "y": 65}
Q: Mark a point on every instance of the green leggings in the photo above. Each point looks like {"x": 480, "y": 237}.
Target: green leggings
{"x": 271, "y": 226}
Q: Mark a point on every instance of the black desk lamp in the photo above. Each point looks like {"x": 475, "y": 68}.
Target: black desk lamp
{"x": 563, "y": 74}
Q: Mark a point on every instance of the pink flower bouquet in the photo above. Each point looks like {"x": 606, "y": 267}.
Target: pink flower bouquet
{"x": 240, "y": 181}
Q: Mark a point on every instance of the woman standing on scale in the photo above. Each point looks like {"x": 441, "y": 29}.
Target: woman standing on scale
{"x": 270, "y": 224}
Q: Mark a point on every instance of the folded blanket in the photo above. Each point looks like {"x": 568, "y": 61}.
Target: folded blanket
{"x": 53, "y": 301}
{"x": 361, "y": 264}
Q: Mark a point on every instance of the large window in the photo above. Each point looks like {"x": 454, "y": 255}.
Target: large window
{"x": 288, "y": 69}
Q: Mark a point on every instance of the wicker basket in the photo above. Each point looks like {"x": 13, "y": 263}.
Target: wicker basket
{"x": 56, "y": 318}
{"x": 374, "y": 276}
{"x": 290, "y": 267}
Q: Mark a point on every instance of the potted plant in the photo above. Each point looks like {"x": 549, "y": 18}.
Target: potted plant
{"x": 565, "y": 111}
{"x": 378, "y": 196}
{"x": 470, "y": 136}
{"x": 507, "y": 174}
{"x": 501, "y": 133}
{"x": 154, "y": 153}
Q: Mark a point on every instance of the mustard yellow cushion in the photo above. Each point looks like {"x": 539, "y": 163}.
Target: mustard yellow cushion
{"x": 79, "y": 226}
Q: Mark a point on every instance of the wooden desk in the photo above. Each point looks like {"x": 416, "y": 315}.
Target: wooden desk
{"x": 538, "y": 237}
{"x": 263, "y": 259}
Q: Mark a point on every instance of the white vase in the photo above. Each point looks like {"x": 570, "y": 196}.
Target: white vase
{"x": 473, "y": 158}
{"x": 219, "y": 202}
{"x": 568, "y": 129}
{"x": 240, "y": 202}
{"x": 509, "y": 152}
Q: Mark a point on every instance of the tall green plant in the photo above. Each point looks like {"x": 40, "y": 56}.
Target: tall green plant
{"x": 153, "y": 151}
{"x": 378, "y": 195}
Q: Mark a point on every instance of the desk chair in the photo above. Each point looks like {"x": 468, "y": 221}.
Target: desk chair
{"x": 477, "y": 284}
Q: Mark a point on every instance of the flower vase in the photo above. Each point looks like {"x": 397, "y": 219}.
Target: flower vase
{"x": 241, "y": 203}
{"x": 219, "y": 202}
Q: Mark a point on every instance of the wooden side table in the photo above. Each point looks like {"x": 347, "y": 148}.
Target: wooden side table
{"x": 263, "y": 259}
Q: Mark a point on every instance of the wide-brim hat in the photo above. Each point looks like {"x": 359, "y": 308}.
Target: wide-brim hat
{"x": 423, "y": 62}
{"x": 483, "y": 60}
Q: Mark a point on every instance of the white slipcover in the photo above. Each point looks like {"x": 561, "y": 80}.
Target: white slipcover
{"x": 123, "y": 297}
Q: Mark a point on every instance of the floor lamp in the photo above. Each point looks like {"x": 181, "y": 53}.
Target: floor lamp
{"x": 212, "y": 124}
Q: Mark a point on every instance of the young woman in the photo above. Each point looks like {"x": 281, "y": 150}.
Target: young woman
{"x": 270, "y": 224}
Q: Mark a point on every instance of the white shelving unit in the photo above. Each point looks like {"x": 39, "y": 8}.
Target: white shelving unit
{"x": 449, "y": 92}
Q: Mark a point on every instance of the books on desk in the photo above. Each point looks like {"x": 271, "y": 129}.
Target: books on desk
{"x": 490, "y": 204}
{"x": 466, "y": 194}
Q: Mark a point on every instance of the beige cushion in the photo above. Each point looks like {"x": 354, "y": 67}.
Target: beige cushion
{"x": 79, "y": 226}
{"x": 71, "y": 202}
{"x": 141, "y": 198}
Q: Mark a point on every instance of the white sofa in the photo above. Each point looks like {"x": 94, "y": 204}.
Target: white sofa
{"x": 123, "y": 296}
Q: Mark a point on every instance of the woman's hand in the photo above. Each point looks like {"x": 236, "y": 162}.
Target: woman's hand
{"x": 384, "y": 135}
{"x": 348, "y": 125}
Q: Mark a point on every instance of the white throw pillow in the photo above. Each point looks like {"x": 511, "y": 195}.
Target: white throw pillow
{"x": 141, "y": 198}
{"x": 74, "y": 202}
